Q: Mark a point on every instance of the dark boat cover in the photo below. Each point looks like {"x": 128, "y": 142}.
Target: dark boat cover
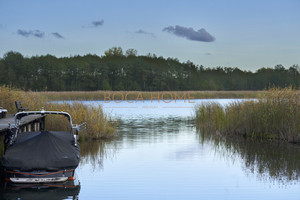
{"x": 46, "y": 150}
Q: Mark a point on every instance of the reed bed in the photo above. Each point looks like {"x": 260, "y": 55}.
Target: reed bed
{"x": 133, "y": 95}
{"x": 275, "y": 115}
{"x": 99, "y": 125}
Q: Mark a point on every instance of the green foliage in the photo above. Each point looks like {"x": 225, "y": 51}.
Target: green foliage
{"x": 275, "y": 115}
{"x": 115, "y": 51}
{"x": 131, "y": 52}
{"x": 116, "y": 71}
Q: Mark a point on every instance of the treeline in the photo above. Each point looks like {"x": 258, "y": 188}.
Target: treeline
{"x": 118, "y": 70}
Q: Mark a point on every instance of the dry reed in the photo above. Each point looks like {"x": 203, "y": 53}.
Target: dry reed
{"x": 274, "y": 115}
{"x": 99, "y": 125}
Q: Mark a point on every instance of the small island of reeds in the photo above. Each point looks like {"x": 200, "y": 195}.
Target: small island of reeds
{"x": 275, "y": 115}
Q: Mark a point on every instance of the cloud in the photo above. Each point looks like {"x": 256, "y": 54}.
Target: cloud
{"x": 208, "y": 54}
{"x": 98, "y": 23}
{"x": 145, "y": 33}
{"x": 94, "y": 24}
{"x": 57, "y": 35}
{"x": 38, "y": 34}
{"x": 35, "y": 33}
{"x": 24, "y": 33}
{"x": 190, "y": 34}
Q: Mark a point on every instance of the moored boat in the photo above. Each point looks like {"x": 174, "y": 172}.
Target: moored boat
{"x": 41, "y": 156}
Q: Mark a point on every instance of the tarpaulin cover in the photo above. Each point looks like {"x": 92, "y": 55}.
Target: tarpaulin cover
{"x": 46, "y": 150}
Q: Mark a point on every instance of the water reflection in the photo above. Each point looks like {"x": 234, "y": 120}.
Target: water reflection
{"x": 137, "y": 129}
{"x": 130, "y": 132}
{"x": 95, "y": 152}
{"x": 269, "y": 161}
{"x": 158, "y": 155}
{"x": 149, "y": 125}
{"x": 187, "y": 153}
{"x": 53, "y": 191}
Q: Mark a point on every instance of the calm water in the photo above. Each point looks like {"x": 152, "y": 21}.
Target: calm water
{"x": 159, "y": 154}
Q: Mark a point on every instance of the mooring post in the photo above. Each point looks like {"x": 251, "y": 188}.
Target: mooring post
{"x": 42, "y": 126}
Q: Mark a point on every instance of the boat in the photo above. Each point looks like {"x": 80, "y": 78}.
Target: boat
{"x": 41, "y": 156}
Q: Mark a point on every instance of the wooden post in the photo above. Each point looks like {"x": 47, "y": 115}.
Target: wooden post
{"x": 42, "y": 124}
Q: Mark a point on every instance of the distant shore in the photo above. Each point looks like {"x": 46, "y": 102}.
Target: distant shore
{"x": 153, "y": 95}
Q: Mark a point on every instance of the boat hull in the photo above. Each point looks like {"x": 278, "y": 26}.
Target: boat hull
{"x": 39, "y": 176}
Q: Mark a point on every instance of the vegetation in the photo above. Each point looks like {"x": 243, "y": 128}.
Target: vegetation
{"x": 275, "y": 115}
{"x": 118, "y": 71}
{"x": 99, "y": 125}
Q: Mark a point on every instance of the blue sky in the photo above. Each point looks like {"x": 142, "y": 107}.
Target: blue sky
{"x": 245, "y": 34}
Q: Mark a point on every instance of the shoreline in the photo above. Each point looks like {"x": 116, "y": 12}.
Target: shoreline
{"x": 153, "y": 95}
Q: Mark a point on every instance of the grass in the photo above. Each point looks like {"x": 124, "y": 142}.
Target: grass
{"x": 274, "y": 116}
{"x": 133, "y": 95}
{"x": 99, "y": 125}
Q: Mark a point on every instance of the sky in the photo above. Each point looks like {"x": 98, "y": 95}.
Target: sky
{"x": 247, "y": 34}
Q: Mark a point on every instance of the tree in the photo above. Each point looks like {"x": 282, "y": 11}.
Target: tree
{"x": 115, "y": 51}
{"x": 131, "y": 52}
{"x": 114, "y": 71}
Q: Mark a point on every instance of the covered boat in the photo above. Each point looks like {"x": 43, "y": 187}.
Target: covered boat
{"x": 41, "y": 156}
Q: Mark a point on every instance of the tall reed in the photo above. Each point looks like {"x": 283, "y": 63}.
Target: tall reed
{"x": 9, "y": 95}
{"x": 274, "y": 115}
{"x": 99, "y": 125}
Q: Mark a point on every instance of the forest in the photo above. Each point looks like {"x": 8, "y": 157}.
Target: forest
{"x": 118, "y": 70}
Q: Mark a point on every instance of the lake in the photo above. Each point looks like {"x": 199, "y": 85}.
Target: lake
{"x": 159, "y": 154}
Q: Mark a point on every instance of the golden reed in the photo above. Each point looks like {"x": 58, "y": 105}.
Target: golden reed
{"x": 99, "y": 125}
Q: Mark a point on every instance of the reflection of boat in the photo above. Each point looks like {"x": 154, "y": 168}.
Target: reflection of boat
{"x": 41, "y": 156}
{"x": 66, "y": 190}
